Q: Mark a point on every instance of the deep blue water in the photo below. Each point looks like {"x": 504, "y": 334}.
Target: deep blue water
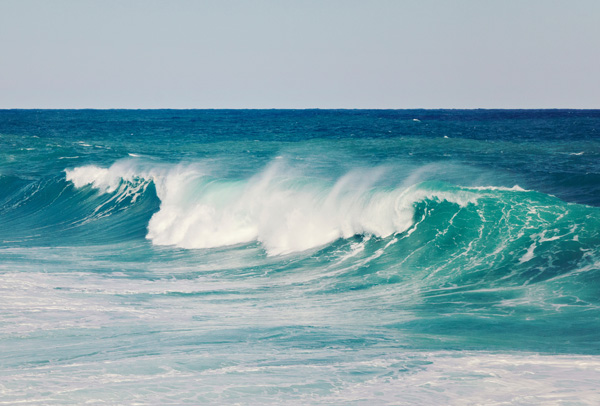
{"x": 300, "y": 257}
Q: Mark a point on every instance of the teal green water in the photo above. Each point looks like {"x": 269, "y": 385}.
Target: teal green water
{"x": 303, "y": 257}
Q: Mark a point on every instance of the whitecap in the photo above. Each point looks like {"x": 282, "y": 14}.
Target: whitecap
{"x": 278, "y": 206}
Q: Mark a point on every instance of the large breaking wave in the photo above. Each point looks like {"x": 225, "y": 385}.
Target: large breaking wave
{"x": 279, "y": 207}
{"x": 504, "y": 235}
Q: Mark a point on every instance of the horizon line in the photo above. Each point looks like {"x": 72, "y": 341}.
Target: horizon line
{"x": 298, "y": 108}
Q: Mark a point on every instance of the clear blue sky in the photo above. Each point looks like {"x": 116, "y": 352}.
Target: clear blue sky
{"x": 300, "y": 54}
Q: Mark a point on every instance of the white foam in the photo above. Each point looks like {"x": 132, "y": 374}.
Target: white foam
{"x": 528, "y": 256}
{"x": 458, "y": 378}
{"x": 277, "y": 207}
{"x": 515, "y": 188}
{"x": 91, "y": 175}
{"x": 106, "y": 180}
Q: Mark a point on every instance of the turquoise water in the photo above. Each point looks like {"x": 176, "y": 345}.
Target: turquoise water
{"x": 300, "y": 257}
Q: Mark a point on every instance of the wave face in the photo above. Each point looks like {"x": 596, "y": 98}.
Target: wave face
{"x": 315, "y": 257}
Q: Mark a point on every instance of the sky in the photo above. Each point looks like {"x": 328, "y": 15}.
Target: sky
{"x": 300, "y": 54}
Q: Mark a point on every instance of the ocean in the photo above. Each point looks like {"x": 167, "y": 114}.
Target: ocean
{"x": 300, "y": 257}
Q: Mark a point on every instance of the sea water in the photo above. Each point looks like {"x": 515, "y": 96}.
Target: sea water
{"x": 300, "y": 257}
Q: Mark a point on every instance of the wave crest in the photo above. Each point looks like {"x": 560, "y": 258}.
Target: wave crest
{"x": 284, "y": 210}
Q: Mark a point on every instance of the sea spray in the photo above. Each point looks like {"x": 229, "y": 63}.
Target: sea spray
{"x": 278, "y": 206}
